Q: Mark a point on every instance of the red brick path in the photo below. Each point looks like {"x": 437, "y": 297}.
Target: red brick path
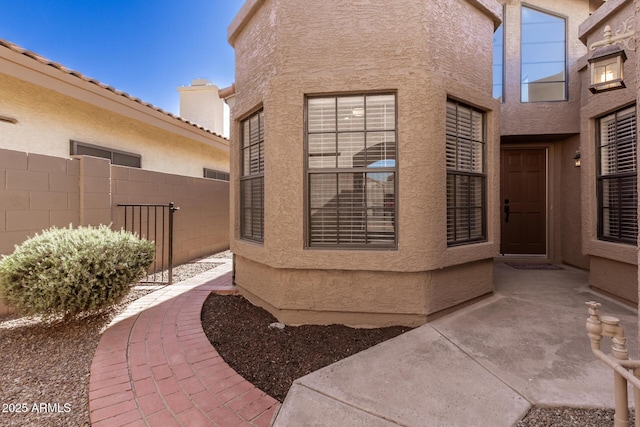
{"x": 154, "y": 366}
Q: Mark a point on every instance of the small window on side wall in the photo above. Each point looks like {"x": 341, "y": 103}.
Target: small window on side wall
{"x": 116, "y": 157}
{"x": 214, "y": 174}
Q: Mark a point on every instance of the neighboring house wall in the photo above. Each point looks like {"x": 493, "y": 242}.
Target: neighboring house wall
{"x": 38, "y": 192}
{"x": 287, "y": 50}
{"x": 44, "y": 106}
{"x": 47, "y": 120}
{"x": 613, "y": 266}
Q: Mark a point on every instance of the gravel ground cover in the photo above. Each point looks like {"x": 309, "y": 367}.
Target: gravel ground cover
{"x": 44, "y": 366}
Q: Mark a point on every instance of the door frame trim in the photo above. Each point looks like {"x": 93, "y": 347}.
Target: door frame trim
{"x": 550, "y": 195}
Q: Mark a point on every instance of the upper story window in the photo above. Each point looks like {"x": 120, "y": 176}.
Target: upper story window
{"x": 351, "y": 171}
{"x": 466, "y": 176}
{"x": 616, "y": 178}
{"x": 543, "y": 57}
{"x": 498, "y": 63}
{"x": 116, "y": 157}
{"x": 252, "y": 177}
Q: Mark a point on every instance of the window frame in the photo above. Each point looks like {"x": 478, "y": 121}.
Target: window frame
{"x": 73, "y": 149}
{"x": 600, "y": 179}
{"x": 566, "y": 51}
{"x": 483, "y": 176}
{"x": 308, "y": 244}
{"x": 251, "y": 178}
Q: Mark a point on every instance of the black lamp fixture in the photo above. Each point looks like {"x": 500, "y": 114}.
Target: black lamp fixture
{"x": 576, "y": 159}
{"x": 607, "y": 69}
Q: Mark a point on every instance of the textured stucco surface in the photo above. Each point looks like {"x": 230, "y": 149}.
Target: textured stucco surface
{"x": 286, "y": 50}
{"x": 47, "y": 120}
{"x": 361, "y": 298}
{"x": 569, "y": 197}
{"x": 538, "y": 118}
{"x": 618, "y": 280}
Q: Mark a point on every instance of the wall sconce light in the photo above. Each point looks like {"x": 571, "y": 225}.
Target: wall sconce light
{"x": 576, "y": 159}
{"x": 607, "y": 69}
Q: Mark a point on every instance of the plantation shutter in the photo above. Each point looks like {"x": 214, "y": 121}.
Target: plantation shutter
{"x": 617, "y": 183}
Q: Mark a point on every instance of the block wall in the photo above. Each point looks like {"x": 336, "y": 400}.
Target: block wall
{"x": 38, "y": 192}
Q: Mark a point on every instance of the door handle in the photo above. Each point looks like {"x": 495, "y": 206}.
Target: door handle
{"x": 506, "y": 210}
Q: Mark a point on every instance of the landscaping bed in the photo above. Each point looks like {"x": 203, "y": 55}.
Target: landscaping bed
{"x": 272, "y": 358}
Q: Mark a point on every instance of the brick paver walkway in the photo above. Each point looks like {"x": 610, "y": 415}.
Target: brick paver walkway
{"x": 154, "y": 366}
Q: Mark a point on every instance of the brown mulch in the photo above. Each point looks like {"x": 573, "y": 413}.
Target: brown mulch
{"x": 270, "y": 358}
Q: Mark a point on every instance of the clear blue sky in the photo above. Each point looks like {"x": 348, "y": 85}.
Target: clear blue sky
{"x": 146, "y": 48}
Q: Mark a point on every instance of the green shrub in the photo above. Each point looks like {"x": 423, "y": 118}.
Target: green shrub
{"x": 70, "y": 271}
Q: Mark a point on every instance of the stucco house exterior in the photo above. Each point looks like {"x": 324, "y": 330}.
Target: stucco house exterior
{"x": 381, "y": 165}
{"x": 72, "y": 149}
{"x": 342, "y": 173}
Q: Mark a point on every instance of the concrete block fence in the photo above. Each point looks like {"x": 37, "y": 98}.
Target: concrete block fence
{"x": 38, "y": 192}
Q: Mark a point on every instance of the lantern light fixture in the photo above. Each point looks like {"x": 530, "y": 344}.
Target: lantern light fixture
{"x": 607, "y": 69}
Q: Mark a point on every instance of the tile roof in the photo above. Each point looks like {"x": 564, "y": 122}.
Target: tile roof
{"x": 15, "y": 48}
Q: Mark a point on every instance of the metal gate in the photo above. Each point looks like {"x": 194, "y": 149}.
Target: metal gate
{"x": 155, "y": 223}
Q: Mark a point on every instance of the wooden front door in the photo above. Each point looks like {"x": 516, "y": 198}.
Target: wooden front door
{"x": 523, "y": 185}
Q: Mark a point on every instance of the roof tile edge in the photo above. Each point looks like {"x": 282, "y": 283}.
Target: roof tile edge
{"x": 41, "y": 59}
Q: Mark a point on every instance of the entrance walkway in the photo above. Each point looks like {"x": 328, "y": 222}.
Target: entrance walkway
{"x": 154, "y": 366}
{"x": 484, "y": 365}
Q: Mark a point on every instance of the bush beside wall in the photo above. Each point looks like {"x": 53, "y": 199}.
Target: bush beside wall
{"x": 71, "y": 271}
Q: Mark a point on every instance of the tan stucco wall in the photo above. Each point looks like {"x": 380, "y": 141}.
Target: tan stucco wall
{"x": 47, "y": 120}
{"x": 287, "y": 50}
{"x": 618, "y": 279}
{"x": 568, "y": 197}
{"x": 538, "y": 118}
{"x": 361, "y": 298}
{"x": 623, "y": 256}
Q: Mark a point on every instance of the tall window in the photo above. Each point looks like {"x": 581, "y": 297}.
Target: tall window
{"x": 466, "y": 177}
{"x": 498, "y": 61}
{"x": 543, "y": 56}
{"x": 252, "y": 178}
{"x": 617, "y": 170}
{"x": 351, "y": 171}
